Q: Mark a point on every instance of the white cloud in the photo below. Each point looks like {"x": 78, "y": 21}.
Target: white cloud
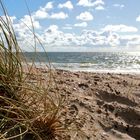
{"x": 98, "y": 2}
{"x": 60, "y": 15}
{"x": 134, "y": 43}
{"x": 113, "y": 40}
{"x": 55, "y": 40}
{"x": 67, "y": 4}
{"x": 53, "y": 37}
{"x": 99, "y": 8}
{"x": 26, "y": 23}
{"x": 64, "y": 41}
{"x": 82, "y": 24}
{"x": 85, "y": 16}
{"x": 119, "y": 5}
{"x": 11, "y": 18}
{"x": 138, "y": 18}
{"x": 52, "y": 28}
{"x": 40, "y": 14}
{"x": 131, "y": 41}
{"x": 85, "y": 3}
{"x": 120, "y": 28}
{"x": 49, "y": 5}
{"x": 24, "y": 33}
{"x": 90, "y": 3}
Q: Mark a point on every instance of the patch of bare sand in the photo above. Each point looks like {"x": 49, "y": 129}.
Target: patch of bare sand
{"x": 104, "y": 106}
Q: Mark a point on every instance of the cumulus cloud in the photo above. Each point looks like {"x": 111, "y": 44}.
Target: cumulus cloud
{"x": 135, "y": 42}
{"x": 98, "y": 2}
{"x": 55, "y": 39}
{"x": 91, "y": 38}
{"x": 99, "y": 8}
{"x": 91, "y": 3}
{"x": 48, "y": 5}
{"x": 46, "y": 8}
{"x": 113, "y": 39}
{"x": 52, "y": 36}
{"x": 67, "y": 5}
{"x": 11, "y": 18}
{"x": 130, "y": 40}
{"x": 24, "y": 34}
{"x": 120, "y": 28}
{"x": 24, "y": 26}
{"x": 85, "y": 16}
{"x": 40, "y": 14}
{"x": 60, "y": 15}
{"x": 52, "y": 28}
{"x": 82, "y": 24}
{"x": 26, "y": 23}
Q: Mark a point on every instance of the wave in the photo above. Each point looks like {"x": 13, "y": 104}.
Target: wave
{"x": 100, "y": 62}
{"x": 92, "y": 67}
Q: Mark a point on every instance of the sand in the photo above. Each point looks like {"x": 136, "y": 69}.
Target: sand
{"x": 103, "y": 106}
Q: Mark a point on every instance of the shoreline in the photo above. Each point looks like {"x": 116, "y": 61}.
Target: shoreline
{"x": 105, "y": 71}
{"x": 85, "y": 69}
{"x": 136, "y": 72}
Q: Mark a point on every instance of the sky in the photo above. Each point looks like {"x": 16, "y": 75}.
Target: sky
{"x": 77, "y": 25}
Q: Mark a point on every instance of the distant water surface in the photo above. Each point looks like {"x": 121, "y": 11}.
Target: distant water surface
{"x": 89, "y": 61}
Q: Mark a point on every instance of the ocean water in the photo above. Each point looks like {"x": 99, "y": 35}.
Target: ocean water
{"x": 89, "y": 61}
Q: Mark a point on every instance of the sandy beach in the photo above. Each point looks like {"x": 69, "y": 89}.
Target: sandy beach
{"x": 70, "y": 70}
{"x": 103, "y": 106}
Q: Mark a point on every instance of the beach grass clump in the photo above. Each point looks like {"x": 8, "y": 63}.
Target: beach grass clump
{"x": 27, "y": 109}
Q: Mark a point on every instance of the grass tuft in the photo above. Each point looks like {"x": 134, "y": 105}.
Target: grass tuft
{"x": 27, "y": 109}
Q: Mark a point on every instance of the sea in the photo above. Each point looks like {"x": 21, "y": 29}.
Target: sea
{"x": 116, "y": 62}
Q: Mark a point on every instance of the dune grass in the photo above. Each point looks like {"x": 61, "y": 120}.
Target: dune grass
{"x": 27, "y": 109}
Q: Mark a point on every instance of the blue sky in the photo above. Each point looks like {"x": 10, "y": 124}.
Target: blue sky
{"x": 78, "y": 25}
